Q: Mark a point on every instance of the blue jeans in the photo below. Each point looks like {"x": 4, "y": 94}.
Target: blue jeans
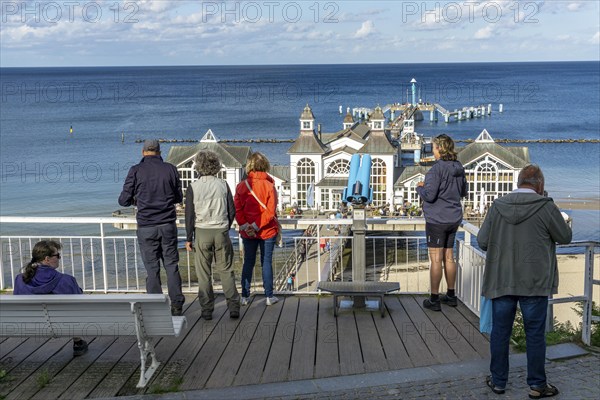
{"x": 266, "y": 261}
{"x": 534, "y": 310}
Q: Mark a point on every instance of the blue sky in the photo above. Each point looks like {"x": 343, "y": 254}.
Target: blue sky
{"x": 88, "y": 33}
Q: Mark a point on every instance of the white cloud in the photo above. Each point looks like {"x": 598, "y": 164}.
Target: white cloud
{"x": 157, "y": 6}
{"x": 596, "y": 38}
{"x": 574, "y": 6}
{"x": 367, "y": 29}
{"x": 484, "y": 33}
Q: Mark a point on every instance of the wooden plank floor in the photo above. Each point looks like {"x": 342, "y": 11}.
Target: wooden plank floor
{"x": 297, "y": 338}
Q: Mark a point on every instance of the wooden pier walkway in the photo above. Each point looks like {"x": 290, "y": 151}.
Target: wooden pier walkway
{"x": 297, "y": 338}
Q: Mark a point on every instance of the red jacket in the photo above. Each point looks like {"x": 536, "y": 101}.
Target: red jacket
{"x": 249, "y": 211}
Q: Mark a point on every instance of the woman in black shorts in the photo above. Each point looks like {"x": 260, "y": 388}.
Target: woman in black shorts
{"x": 445, "y": 184}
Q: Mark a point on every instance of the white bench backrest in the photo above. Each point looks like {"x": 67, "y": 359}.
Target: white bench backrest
{"x": 85, "y": 315}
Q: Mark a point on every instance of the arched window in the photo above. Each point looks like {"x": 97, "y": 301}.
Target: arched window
{"x": 187, "y": 174}
{"x": 379, "y": 182}
{"x": 486, "y": 177}
{"x": 339, "y": 167}
{"x": 410, "y": 191}
{"x": 305, "y": 176}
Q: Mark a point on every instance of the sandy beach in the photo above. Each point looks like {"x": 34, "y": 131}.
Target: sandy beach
{"x": 578, "y": 204}
{"x": 414, "y": 277}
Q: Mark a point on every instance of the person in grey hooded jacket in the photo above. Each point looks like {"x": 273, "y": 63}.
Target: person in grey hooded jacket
{"x": 519, "y": 233}
{"x": 445, "y": 184}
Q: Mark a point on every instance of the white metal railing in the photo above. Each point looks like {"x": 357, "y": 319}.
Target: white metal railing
{"x": 471, "y": 265}
{"x": 108, "y": 260}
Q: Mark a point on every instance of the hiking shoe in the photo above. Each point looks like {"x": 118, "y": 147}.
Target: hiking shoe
{"x": 207, "y": 315}
{"x": 496, "y": 389}
{"x": 538, "y": 393}
{"x": 80, "y": 347}
{"x": 272, "y": 300}
{"x": 234, "y": 314}
{"x": 432, "y": 305}
{"x": 245, "y": 301}
{"x": 176, "y": 311}
{"x": 452, "y": 301}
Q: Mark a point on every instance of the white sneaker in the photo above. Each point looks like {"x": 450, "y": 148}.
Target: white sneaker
{"x": 272, "y": 300}
{"x": 245, "y": 301}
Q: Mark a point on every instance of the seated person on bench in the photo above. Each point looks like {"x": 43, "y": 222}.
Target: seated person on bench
{"x": 41, "y": 277}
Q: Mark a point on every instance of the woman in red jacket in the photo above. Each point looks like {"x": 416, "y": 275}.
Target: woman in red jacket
{"x": 255, "y": 206}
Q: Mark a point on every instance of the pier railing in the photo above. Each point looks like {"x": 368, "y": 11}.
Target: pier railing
{"x": 104, "y": 259}
{"x": 471, "y": 265}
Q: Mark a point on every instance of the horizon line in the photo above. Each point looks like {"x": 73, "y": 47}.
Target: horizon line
{"x": 302, "y": 64}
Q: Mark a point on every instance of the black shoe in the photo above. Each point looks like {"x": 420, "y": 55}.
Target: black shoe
{"x": 490, "y": 383}
{"x": 80, "y": 348}
{"x": 177, "y": 311}
{"x": 432, "y": 305}
{"x": 452, "y": 301}
{"x": 207, "y": 315}
{"x": 234, "y": 314}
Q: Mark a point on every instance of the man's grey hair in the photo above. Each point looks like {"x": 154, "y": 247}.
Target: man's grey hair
{"x": 207, "y": 163}
{"x": 531, "y": 175}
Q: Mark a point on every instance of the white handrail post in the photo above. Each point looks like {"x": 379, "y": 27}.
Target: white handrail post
{"x": 104, "y": 266}
{"x": 586, "y": 328}
{"x": 319, "y": 255}
{"x": 2, "y": 252}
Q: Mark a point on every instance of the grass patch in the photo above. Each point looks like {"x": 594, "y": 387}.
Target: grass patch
{"x": 43, "y": 378}
{"x": 173, "y": 387}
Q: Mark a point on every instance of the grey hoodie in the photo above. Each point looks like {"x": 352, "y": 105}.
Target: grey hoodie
{"x": 520, "y": 233}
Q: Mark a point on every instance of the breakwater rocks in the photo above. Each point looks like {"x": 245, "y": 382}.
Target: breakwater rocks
{"x": 223, "y": 140}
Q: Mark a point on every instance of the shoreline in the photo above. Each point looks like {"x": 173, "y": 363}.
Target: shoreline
{"x": 578, "y": 204}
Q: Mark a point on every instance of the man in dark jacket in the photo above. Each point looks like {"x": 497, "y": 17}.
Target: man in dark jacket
{"x": 155, "y": 188}
{"x": 520, "y": 233}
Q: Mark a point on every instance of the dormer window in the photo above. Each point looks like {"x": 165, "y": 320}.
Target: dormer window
{"x": 306, "y": 125}
{"x": 377, "y": 125}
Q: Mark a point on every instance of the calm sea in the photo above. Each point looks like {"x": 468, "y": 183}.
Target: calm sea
{"x": 49, "y": 171}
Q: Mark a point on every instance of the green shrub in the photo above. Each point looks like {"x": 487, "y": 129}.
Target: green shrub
{"x": 595, "y": 338}
{"x": 563, "y": 332}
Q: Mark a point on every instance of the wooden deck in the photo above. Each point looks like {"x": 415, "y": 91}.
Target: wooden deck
{"x": 297, "y": 338}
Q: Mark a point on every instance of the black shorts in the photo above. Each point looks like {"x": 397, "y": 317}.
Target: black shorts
{"x": 441, "y": 235}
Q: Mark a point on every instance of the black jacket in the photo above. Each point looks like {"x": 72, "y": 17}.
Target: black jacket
{"x": 155, "y": 188}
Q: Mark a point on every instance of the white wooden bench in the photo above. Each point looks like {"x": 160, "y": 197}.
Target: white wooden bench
{"x": 140, "y": 315}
